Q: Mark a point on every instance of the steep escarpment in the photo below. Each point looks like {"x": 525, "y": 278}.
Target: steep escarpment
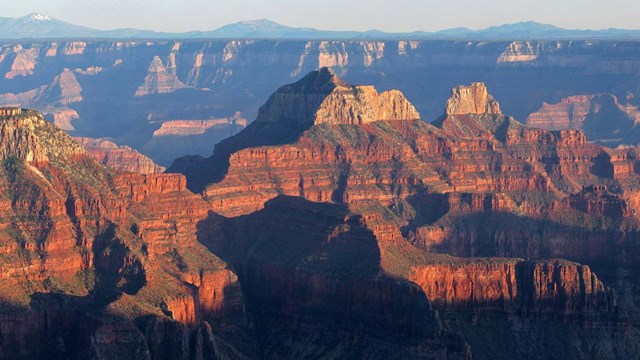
{"x": 344, "y": 228}
{"x": 554, "y": 289}
{"x": 53, "y": 99}
{"x": 99, "y": 263}
{"x": 472, "y": 99}
{"x": 121, "y": 158}
{"x": 603, "y": 117}
{"x": 393, "y": 160}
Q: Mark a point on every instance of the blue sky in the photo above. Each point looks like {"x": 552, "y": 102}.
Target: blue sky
{"x": 387, "y": 15}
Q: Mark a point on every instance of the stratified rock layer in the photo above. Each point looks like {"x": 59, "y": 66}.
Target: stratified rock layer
{"x": 472, "y": 99}
{"x": 99, "y": 260}
{"x": 121, "y": 158}
{"x": 602, "y": 117}
{"x": 354, "y": 228}
{"x": 545, "y": 288}
{"x": 203, "y": 79}
{"x": 476, "y": 183}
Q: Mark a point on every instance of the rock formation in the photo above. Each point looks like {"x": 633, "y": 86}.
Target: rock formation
{"x": 122, "y": 158}
{"x": 602, "y": 117}
{"x": 472, "y": 99}
{"x": 204, "y": 79}
{"x": 176, "y": 137}
{"x": 160, "y": 78}
{"x": 194, "y": 127}
{"x": 96, "y": 262}
{"x": 476, "y": 183}
{"x": 554, "y": 289}
{"x": 335, "y": 225}
{"x": 322, "y": 98}
{"x": 53, "y": 98}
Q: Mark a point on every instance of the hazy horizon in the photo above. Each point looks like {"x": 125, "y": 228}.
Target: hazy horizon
{"x": 358, "y": 15}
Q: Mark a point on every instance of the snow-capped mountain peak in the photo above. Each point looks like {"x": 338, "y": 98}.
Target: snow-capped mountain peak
{"x": 38, "y": 17}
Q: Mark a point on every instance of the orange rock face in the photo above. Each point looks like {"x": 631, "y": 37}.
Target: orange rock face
{"x": 355, "y": 229}
{"x": 549, "y": 288}
{"x": 472, "y": 99}
{"x": 122, "y": 241}
{"x": 117, "y": 157}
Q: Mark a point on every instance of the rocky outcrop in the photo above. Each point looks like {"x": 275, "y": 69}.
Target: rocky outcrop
{"x": 24, "y": 62}
{"x": 545, "y": 288}
{"x": 122, "y": 158}
{"x": 63, "y": 90}
{"x": 195, "y": 127}
{"x": 473, "y": 153}
{"x": 602, "y": 117}
{"x": 26, "y": 137}
{"x": 53, "y": 99}
{"x": 160, "y": 79}
{"x": 469, "y": 185}
{"x": 322, "y": 98}
{"x": 176, "y": 137}
{"x": 569, "y": 113}
{"x": 341, "y": 233}
{"x": 472, "y": 99}
{"x": 308, "y": 265}
{"x": 63, "y": 118}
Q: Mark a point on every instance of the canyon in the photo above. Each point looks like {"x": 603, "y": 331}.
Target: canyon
{"x": 154, "y": 82}
{"x": 476, "y": 209}
{"x": 337, "y": 224}
{"x": 94, "y": 261}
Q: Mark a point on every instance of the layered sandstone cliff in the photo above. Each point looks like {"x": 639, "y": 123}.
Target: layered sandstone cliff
{"x": 195, "y": 127}
{"x": 117, "y": 157}
{"x": 602, "y": 117}
{"x": 333, "y": 230}
{"x": 472, "y": 99}
{"x": 547, "y": 289}
{"x": 99, "y": 260}
{"x": 437, "y": 186}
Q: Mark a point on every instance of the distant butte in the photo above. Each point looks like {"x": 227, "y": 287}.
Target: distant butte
{"x": 472, "y": 99}
{"x": 322, "y": 98}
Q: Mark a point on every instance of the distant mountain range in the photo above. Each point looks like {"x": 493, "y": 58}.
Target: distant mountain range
{"x": 38, "y": 26}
